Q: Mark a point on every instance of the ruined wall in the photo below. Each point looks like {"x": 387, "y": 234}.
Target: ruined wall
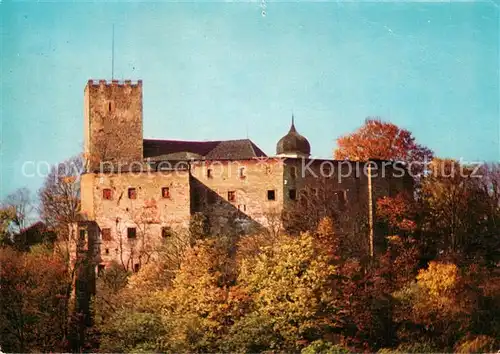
{"x": 113, "y": 121}
{"x": 344, "y": 184}
{"x": 250, "y": 180}
{"x": 149, "y": 212}
{"x": 330, "y": 182}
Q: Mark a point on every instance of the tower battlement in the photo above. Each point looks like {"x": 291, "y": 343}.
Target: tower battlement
{"x": 113, "y": 121}
{"x": 92, "y": 82}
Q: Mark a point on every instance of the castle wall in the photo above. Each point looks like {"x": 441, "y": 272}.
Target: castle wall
{"x": 148, "y": 213}
{"x": 344, "y": 186}
{"x": 113, "y": 122}
{"x": 87, "y": 195}
{"x": 340, "y": 184}
{"x": 250, "y": 180}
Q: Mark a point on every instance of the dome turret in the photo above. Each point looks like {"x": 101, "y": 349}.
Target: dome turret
{"x": 293, "y": 144}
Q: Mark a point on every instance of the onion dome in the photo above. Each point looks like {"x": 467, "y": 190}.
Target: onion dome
{"x": 293, "y": 144}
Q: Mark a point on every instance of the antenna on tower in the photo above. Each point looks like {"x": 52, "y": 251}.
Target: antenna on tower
{"x": 113, "y": 54}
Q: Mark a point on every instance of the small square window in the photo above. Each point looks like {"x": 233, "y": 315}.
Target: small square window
{"x": 271, "y": 194}
{"x": 242, "y": 207}
{"x": 82, "y": 235}
{"x": 107, "y": 194}
{"x": 131, "y": 232}
{"x": 106, "y": 234}
{"x": 106, "y": 250}
{"x": 242, "y": 172}
{"x": 292, "y": 194}
{"x": 209, "y": 173}
{"x": 137, "y": 266}
{"x": 132, "y": 193}
{"x": 167, "y": 232}
{"x": 231, "y": 196}
{"x": 165, "y": 192}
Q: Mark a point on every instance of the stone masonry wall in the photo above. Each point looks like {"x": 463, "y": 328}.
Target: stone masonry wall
{"x": 113, "y": 122}
{"x": 329, "y": 179}
{"x": 249, "y": 180}
{"x": 349, "y": 178}
{"x": 148, "y": 213}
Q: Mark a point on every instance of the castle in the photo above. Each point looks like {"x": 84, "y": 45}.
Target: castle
{"x": 136, "y": 192}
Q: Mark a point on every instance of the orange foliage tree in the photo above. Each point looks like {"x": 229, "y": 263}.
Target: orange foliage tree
{"x": 377, "y": 139}
{"x": 33, "y": 306}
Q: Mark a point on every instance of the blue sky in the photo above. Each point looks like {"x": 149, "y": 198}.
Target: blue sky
{"x": 210, "y": 70}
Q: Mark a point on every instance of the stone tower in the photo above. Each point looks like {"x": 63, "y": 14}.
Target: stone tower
{"x": 113, "y": 122}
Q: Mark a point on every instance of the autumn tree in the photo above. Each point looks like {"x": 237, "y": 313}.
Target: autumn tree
{"x": 127, "y": 319}
{"x": 201, "y": 304}
{"x": 457, "y": 209}
{"x": 21, "y": 202}
{"x": 7, "y": 215}
{"x": 293, "y": 303}
{"x": 366, "y": 294}
{"x": 436, "y": 307}
{"x": 486, "y": 245}
{"x": 377, "y": 139}
{"x": 33, "y": 293}
{"x": 60, "y": 195}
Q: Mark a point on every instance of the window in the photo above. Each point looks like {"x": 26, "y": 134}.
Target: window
{"x": 106, "y": 250}
{"x": 165, "y": 192}
{"x": 137, "y": 266}
{"x": 131, "y": 232}
{"x": 292, "y": 194}
{"x": 82, "y": 235}
{"x": 167, "y": 232}
{"x": 231, "y": 196}
{"x": 242, "y": 207}
{"x": 271, "y": 194}
{"x": 242, "y": 172}
{"x": 209, "y": 173}
{"x": 293, "y": 172}
{"x": 132, "y": 193}
{"x": 106, "y": 234}
{"x": 107, "y": 194}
